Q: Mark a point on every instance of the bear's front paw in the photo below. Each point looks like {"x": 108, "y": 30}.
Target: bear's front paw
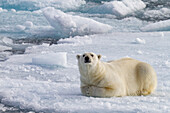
{"x": 87, "y": 90}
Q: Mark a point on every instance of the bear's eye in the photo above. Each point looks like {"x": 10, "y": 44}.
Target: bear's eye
{"x": 92, "y": 55}
{"x": 84, "y": 55}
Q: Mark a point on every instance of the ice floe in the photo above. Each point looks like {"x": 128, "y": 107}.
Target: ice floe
{"x": 157, "y": 26}
{"x": 119, "y": 8}
{"x": 69, "y": 25}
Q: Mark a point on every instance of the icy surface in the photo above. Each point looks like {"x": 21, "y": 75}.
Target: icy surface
{"x": 54, "y": 59}
{"x": 69, "y": 25}
{"x": 38, "y": 4}
{"x": 119, "y": 8}
{"x": 157, "y": 26}
{"x": 33, "y": 87}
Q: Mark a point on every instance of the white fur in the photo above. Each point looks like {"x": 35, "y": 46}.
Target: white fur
{"x": 124, "y": 77}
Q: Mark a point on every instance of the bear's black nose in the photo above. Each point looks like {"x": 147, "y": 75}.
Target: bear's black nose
{"x": 87, "y": 60}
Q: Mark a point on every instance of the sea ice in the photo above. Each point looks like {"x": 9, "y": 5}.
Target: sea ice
{"x": 3, "y": 48}
{"x": 27, "y": 85}
{"x": 5, "y": 44}
{"x": 58, "y": 59}
{"x": 69, "y": 25}
{"x": 77, "y": 40}
{"x": 32, "y": 5}
{"x": 31, "y": 86}
{"x": 119, "y": 8}
{"x": 156, "y": 14}
{"x": 158, "y": 26}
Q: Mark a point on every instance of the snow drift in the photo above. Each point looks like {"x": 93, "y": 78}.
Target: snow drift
{"x": 119, "y": 8}
{"x": 68, "y": 25}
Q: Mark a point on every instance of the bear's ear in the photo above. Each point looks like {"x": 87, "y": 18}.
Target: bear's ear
{"x": 99, "y": 56}
{"x": 78, "y": 57}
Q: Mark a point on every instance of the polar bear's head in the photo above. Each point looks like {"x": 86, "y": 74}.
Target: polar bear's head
{"x": 88, "y": 59}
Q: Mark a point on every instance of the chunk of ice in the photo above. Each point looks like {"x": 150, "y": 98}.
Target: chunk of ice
{"x": 139, "y": 41}
{"x": 68, "y": 25}
{"x": 119, "y": 8}
{"x": 20, "y": 28}
{"x": 13, "y": 10}
{"x": 59, "y": 59}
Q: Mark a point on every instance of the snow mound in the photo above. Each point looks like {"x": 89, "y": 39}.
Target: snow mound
{"x": 119, "y": 8}
{"x": 158, "y": 26}
{"x": 59, "y": 59}
{"x": 139, "y": 41}
{"x": 13, "y": 10}
{"x": 20, "y": 28}
{"x": 140, "y": 52}
{"x": 28, "y": 24}
{"x": 69, "y": 25}
{"x": 32, "y": 5}
{"x": 167, "y": 63}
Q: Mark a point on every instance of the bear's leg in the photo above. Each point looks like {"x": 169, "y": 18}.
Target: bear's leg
{"x": 99, "y": 92}
{"x": 147, "y": 78}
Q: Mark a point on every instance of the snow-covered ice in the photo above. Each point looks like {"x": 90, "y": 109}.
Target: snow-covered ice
{"x": 69, "y": 25}
{"x": 157, "y": 13}
{"x": 119, "y": 8}
{"x": 38, "y": 4}
{"x": 58, "y": 59}
{"x": 38, "y": 88}
{"x": 157, "y": 26}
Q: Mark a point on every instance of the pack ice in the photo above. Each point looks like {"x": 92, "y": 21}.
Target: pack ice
{"x": 32, "y": 5}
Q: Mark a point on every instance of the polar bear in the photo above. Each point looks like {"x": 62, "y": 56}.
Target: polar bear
{"x": 123, "y": 77}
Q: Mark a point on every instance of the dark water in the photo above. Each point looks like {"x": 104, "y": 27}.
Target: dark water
{"x": 19, "y": 48}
